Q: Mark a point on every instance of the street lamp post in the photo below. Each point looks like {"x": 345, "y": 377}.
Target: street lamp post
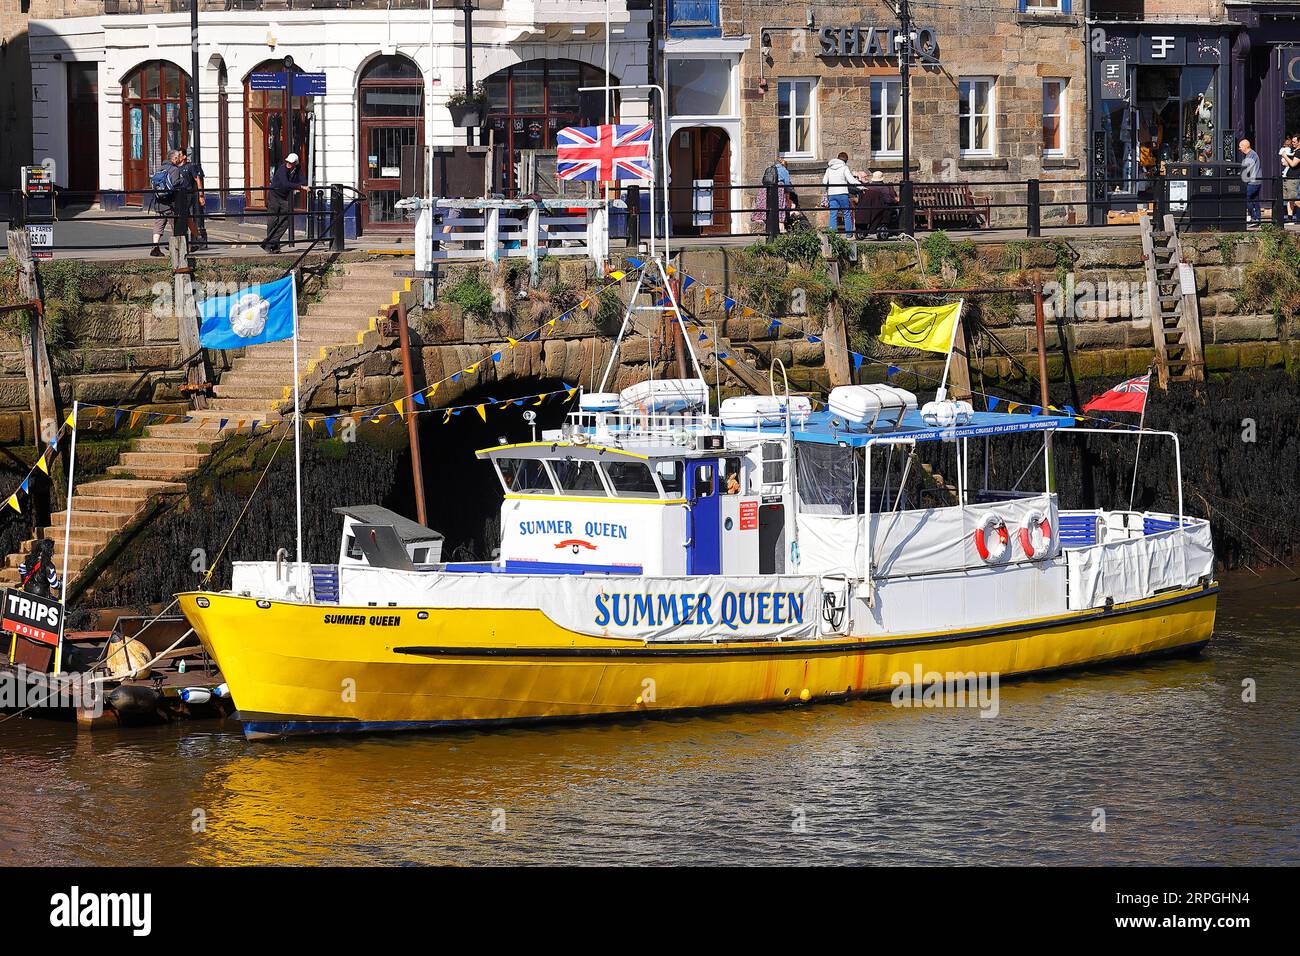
{"x": 907, "y": 217}
{"x": 194, "y": 81}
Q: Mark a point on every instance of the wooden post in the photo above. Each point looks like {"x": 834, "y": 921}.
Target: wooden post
{"x": 959, "y": 367}
{"x": 412, "y": 428}
{"x": 187, "y": 319}
{"x": 41, "y": 396}
{"x": 835, "y": 344}
{"x": 1040, "y": 329}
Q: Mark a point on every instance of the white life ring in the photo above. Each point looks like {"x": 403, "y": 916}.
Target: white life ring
{"x": 1036, "y": 545}
{"x": 992, "y": 540}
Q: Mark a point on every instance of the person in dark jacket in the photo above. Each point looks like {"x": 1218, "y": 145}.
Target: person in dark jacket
{"x": 286, "y": 181}
{"x": 877, "y": 210}
{"x": 193, "y": 174}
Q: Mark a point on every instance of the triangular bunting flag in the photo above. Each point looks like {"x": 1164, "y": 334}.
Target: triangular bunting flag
{"x": 482, "y": 411}
{"x": 993, "y": 403}
{"x": 399, "y": 405}
{"x": 222, "y": 426}
{"x": 117, "y": 416}
{"x": 635, "y": 263}
{"x": 687, "y": 282}
{"x": 814, "y": 339}
{"x": 857, "y": 360}
{"x": 513, "y": 342}
{"x": 418, "y": 398}
{"x": 135, "y": 417}
{"x": 42, "y": 464}
{"x": 13, "y": 503}
{"x": 329, "y": 426}
{"x": 892, "y": 371}
{"x": 311, "y": 424}
{"x": 26, "y": 482}
{"x": 71, "y": 420}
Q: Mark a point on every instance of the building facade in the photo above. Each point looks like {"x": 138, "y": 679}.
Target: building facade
{"x": 997, "y": 90}
{"x": 356, "y": 89}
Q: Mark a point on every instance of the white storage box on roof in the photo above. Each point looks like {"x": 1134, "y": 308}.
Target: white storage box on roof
{"x": 870, "y": 404}
{"x": 666, "y": 395}
{"x": 598, "y": 402}
{"x": 751, "y": 411}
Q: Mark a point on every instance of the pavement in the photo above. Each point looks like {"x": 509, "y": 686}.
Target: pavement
{"x": 95, "y": 234}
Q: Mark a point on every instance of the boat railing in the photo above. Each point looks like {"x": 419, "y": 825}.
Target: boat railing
{"x": 640, "y": 428}
{"x": 1086, "y": 528}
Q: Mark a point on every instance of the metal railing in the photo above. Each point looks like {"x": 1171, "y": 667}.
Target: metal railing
{"x": 140, "y": 7}
{"x": 1034, "y": 206}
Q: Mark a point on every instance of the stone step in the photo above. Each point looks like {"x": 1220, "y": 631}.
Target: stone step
{"x": 99, "y": 536}
{"x": 76, "y": 547}
{"x": 163, "y": 459}
{"x": 191, "y": 445}
{"x": 151, "y": 472}
{"x": 90, "y": 519}
{"x": 237, "y": 408}
{"x": 75, "y": 561}
{"x": 263, "y": 391}
{"x": 127, "y": 488}
{"x": 109, "y": 504}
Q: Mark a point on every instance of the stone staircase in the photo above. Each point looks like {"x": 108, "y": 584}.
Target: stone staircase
{"x": 255, "y": 389}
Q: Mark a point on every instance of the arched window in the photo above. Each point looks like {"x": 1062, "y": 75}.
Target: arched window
{"x": 529, "y": 102}
{"x": 275, "y": 125}
{"x": 155, "y": 120}
{"x": 390, "y": 94}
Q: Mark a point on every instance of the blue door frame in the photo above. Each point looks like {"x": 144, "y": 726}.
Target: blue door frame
{"x": 705, "y": 553}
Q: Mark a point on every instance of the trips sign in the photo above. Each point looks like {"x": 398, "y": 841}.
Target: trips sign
{"x": 32, "y": 617}
{"x": 873, "y": 42}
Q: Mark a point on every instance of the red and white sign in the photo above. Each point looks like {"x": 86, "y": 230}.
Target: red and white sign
{"x": 748, "y": 515}
{"x": 32, "y": 617}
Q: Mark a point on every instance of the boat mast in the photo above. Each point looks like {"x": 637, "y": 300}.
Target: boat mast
{"x": 297, "y": 419}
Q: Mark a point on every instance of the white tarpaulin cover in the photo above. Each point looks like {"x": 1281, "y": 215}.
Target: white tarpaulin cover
{"x": 1128, "y": 570}
{"x": 913, "y": 542}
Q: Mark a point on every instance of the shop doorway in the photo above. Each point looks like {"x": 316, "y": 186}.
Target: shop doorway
{"x": 390, "y": 96}
{"x": 275, "y": 125}
{"x": 83, "y": 129}
{"x": 699, "y": 164}
{"x": 155, "y": 120}
{"x": 528, "y": 103}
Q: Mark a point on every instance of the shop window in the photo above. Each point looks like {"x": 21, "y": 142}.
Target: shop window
{"x": 1054, "y": 117}
{"x": 1044, "y": 6}
{"x": 886, "y": 118}
{"x": 699, "y": 87}
{"x": 795, "y": 105}
{"x": 976, "y": 116}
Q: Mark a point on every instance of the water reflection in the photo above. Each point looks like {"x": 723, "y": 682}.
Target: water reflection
{"x": 1183, "y": 770}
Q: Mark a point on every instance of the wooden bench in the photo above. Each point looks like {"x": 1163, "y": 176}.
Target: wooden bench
{"x": 949, "y": 204}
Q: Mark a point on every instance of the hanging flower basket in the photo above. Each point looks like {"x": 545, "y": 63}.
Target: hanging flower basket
{"x": 467, "y": 106}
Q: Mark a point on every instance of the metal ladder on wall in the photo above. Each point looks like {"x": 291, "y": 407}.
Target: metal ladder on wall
{"x": 1175, "y": 316}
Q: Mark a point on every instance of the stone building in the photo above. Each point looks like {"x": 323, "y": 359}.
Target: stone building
{"x": 998, "y": 96}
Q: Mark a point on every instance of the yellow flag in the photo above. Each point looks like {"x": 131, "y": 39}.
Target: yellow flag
{"x": 482, "y": 411}
{"x": 311, "y": 424}
{"x": 71, "y": 420}
{"x": 398, "y": 405}
{"x": 928, "y": 327}
{"x": 42, "y": 464}
{"x": 513, "y": 342}
{"x": 13, "y": 503}
{"x": 472, "y": 369}
{"x": 616, "y": 276}
{"x": 432, "y": 390}
{"x": 584, "y": 303}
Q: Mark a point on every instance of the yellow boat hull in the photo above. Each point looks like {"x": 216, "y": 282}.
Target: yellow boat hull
{"x": 297, "y": 669}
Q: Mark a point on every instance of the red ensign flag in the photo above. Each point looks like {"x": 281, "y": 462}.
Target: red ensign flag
{"x": 1130, "y": 396}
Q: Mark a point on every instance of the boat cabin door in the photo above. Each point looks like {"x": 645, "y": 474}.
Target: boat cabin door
{"x": 704, "y": 556}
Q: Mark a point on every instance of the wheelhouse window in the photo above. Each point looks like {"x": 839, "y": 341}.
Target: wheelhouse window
{"x": 670, "y": 476}
{"x": 524, "y": 476}
{"x": 631, "y": 479}
{"x": 1054, "y": 117}
{"x": 976, "y": 116}
{"x": 795, "y": 117}
{"x": 704, "y": 480}
{"x": 886, "y": 118}
{"x": 579, "y": 478}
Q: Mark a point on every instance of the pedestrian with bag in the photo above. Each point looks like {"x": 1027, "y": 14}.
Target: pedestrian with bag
{"x": 193, "y": 181}
{"x": 171, "y": 199}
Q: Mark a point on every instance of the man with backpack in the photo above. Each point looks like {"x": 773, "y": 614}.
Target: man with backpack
{"x": 170, "y": 197}
{"x": 193, "y": 175}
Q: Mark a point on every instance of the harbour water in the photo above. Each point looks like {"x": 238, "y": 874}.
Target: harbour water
{"x": 1160, "y": 763}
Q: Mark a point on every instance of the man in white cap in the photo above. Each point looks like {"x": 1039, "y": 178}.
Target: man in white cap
{"x": 286, "y": 181}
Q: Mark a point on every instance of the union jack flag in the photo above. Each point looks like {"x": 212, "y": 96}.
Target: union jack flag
{"x": 1127, "y": 396}
{"x": 604, "y": 153}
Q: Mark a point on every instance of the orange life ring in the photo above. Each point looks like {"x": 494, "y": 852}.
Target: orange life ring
{"x": 992, "y": 523}
{"x": 1035, "y": 519}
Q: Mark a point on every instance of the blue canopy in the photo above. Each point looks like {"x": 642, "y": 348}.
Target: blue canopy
{"x": 818, "y": 428}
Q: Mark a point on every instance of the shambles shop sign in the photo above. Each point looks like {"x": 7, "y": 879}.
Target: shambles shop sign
{"x": 870, "y": 41}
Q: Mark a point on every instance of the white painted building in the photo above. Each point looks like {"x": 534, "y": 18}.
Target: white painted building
{"x": 110, "y": 91}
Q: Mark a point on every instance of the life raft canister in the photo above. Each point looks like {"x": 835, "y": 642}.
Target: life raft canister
{"x": 992, "y": 529}
{"x": 1035, "y": 520}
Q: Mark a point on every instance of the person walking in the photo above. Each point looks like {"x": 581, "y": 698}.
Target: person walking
{"x": 286, "y": 181}
{"x": 193, "y": 174}
{"x": 1250, "y": 173}
{"x": 171, "y": 199}
{"x": 778, "y": 174}
{"x": 1289, "y": 155}
{"x": 839, "y": 181}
